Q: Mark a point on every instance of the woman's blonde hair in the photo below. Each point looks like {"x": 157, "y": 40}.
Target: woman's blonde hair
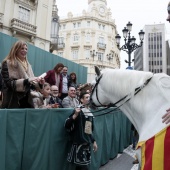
{"x": 12, "y": 54}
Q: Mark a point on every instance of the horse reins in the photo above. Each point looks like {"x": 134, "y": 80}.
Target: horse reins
{"x": 137, "y": 90}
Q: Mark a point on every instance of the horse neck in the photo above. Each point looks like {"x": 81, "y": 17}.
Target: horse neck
{"x": 145, "y": 111}
{"x": 142, "y": 108}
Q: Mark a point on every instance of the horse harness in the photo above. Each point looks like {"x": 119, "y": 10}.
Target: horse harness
{"x": 127, "y": 97}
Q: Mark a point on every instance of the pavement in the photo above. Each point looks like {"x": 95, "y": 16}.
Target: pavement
{"x": 122, "y": 161}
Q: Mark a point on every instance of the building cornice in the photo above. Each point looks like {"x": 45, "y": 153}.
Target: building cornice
{"x": 31, "y": 4}
{"x": 111, "y": 22}
{"x": 90, "y": 1}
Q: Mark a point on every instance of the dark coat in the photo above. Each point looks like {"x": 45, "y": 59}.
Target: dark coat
{"x": 16, "y": 88}
{"x": 54, "y": 100}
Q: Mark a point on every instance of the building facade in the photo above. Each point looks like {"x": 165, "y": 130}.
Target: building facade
{"x": 29, "y": 20}
{"x": 89, "y": 38}
{"x": 152, "y": 56}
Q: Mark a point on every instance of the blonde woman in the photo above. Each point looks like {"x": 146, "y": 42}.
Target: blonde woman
{"x": 18, "y": 78}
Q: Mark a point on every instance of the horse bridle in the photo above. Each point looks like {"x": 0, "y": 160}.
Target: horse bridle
{"x": 137, "y": 90}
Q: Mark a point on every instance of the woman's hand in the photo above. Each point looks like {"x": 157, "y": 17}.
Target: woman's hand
{"x": 33, "y": 79}
{"x": 56, "y": 105}
{"x": 48, "y": 106}
{"x": 166, "y": 117}
{"x": 95, "y": 146}
{"x": 41, "y": 80}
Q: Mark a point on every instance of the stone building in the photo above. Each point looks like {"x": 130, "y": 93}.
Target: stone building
{"x": 153, "y": 56}
{"x": 34, "y": 21}
{"x": 89, "y": 38}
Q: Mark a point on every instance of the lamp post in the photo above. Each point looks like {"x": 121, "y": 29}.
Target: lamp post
{"x": 109, "y": 57}
{"x": 93, "y": 54}
{"x": 130, "y": 44}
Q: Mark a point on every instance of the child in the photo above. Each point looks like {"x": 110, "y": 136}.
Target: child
{"x": 80, "y": 127}
{"x": 41, "y": 100}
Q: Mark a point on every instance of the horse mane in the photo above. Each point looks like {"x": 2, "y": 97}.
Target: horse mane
{"x": 124, "y": 81}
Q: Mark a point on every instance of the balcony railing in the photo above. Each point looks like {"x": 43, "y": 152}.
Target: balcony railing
{"x": 101, "y": 46}
{"x": 96, "y": 62}
{"x": 21, "y": 26}
{"x": 61, "y": 45}
{"x": 54, "y": 40}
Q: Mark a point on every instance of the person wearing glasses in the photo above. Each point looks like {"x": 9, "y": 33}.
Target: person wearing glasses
{"x": 55, "y": 101}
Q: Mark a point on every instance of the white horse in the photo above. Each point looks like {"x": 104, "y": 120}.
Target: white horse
{"x": 144, "y": 109}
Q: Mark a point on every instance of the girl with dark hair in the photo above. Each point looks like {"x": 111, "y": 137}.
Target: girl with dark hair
{"x": 72, "y": 80}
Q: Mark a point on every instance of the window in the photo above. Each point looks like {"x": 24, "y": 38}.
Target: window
{"x": 74, "y": 25}
{"x": 87, "y": 54}
{"x": 78, "y": 24}
{"x": 99, "y": 26}
{"x": 54, "y": 29}
{"x": 60, "y": 40}
{"x": 88, "y": 23}
{"x": 160, "y": 54}
{"x": 100, "y": 56}
{"x": 103, "y": 27}
{"x": 88, "y": 37}
{"x": 101, "y": 40}
{"x": 75, "y": 54}
{"x": 24, "y": 14}
{"x": 75, "y": 37}
{"x": 60, "y": 54}
{"x": 64, "y": 26}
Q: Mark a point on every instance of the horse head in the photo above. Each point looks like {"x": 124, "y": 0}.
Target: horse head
{"x": 96, "y": 92}
{"x": 98, "y": 74}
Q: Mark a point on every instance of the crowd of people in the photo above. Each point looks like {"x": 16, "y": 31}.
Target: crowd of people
{"x": 21, "y": 89}
{"x": 56, "y": 89}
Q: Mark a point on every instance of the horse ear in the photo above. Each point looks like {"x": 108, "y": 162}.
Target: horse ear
{"x": 97, "y": 71}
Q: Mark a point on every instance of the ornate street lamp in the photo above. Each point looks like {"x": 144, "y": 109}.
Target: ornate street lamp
{"x": 109, "y": 57}
{"x": 93, "y": 54}
{"x": 130, "y": 44}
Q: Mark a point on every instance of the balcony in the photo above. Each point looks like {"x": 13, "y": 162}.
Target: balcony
{"x": 23, "y": 27}
{"x": 101, "y": 46}
{"x": 61, "y": 45}
{"x": 101, "y": 64}
{"x": 35, "y": 1}
{"x": 30, "y": 4}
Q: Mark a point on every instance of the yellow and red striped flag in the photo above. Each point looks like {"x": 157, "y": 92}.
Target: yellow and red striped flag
{"x": 156, "y": 151}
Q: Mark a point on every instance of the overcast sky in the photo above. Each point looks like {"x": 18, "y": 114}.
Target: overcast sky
{"x": 138, "y": 12}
